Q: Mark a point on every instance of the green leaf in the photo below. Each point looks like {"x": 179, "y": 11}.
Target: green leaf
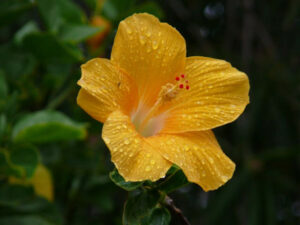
{"x": 28, "y": 28}
{"x": 58, "y": 12}
{"x": 174, "y": 181}
{"x": 119, "y": 180}
{"x": 15, "y": 195}
{"x": 25, "y": 157}
{"x": 47, "y": 126}
{"x": 77, "y": 33}
{"x": 159, "y": 216}
{"x": 2, "y": 125}
{"x": 46, "y": 47}
{"x": 11, "y": 9}
{"x": 139, "y": 206}
{"x": 3, "y": 86}
{"x": 5, "y": 168}
{"x": 24, "y": 220}
{"x": 15, "y": 62}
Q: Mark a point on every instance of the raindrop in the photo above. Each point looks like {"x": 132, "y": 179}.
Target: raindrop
{"x": 154, "y": 44}
{"x": 129, "y": 31}
{"x": 107, "y": 140}
{"x": 186, "y": 148}
{"x": 142, "y": 39}
{"x": 217, "y": 109}
{"x": 224, "y": 178}
{"x": 148, "y": 33}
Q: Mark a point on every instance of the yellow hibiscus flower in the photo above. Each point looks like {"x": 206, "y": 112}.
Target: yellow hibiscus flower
{"x": 159, "y": 106}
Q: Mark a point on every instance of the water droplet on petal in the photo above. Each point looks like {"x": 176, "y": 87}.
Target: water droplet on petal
{"x": 217, "y": 109}
{"x": 224, "y": 178}
{"x": 129, "y": 31}
{"x": 142, "y": 39}
{"x": 154, "y": 44}
{"x": 186, "y": 148}
{"x": 107, "y": 140}
{"x": 148, "y": 33}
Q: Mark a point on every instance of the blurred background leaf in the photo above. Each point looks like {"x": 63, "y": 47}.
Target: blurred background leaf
{"x": 54, "y": 167}
{"x": 47, "y": 126}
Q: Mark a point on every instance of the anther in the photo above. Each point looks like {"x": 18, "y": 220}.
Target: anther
{"x": 177, "y": 78}
{"x": 181, "y": 86}
{"x": 182, "y": 75}
{"x": 187, "y": 87}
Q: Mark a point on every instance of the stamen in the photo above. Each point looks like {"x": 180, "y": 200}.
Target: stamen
{"x": 177, "y": 78}
{"x": 182, "y": 75}
{"x": 187, "y": 87}
{"x": 181, "y": 86}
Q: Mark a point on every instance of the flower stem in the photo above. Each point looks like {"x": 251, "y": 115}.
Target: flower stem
{"x": 170, "y": 204}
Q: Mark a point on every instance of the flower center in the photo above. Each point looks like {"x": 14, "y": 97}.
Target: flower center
{"x": 149, "y": 121}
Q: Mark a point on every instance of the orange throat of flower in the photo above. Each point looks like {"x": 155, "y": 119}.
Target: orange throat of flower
{"x": 149, "y": 121}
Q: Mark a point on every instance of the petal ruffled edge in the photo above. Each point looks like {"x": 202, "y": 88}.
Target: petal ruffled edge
{"x": 153, "y": 53}
{"x": 105, "y": 88}
{"x": 218, "y": 94}
{"x": 199, "y": 155}
{"x": 135, "y": 158}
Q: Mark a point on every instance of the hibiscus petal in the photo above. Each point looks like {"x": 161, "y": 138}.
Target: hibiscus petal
{"x": 105, "y": 88}
{"x": 135, "y": 159}
{"x": 218, "y": 94}
{"x": 153, "y": 53}
{"x": 198, "y": 155}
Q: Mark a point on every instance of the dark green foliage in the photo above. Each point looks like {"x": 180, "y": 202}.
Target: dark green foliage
{"x": 25, "y": 157}
{"x": 43, "y": 44}
{"x": 175, "y": 180}
{"x": 159, "y": 216}
{"x": 47, "y": 126}
{"x": 119, "y": 180}
{"x": 139, "y": 207}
